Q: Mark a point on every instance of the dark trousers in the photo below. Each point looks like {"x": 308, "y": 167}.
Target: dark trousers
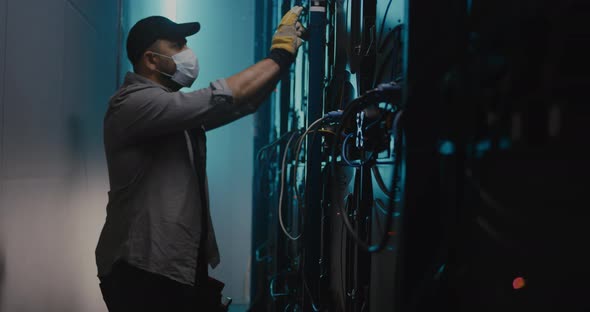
{"x": 129, "y": 289}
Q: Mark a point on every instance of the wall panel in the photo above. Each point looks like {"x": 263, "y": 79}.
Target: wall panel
{"x": 60, "y": 71}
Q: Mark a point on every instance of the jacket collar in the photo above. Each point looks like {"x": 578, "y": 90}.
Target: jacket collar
{"x": 134, "y": 78}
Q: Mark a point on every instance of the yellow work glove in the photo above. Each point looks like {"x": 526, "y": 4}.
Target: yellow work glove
{"x": 289, "y": 32}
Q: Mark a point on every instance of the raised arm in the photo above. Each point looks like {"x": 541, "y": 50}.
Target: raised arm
{"x": 251, "y": 86}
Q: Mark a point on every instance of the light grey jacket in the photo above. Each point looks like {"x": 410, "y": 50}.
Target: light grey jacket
{"x": 154, "y": 211}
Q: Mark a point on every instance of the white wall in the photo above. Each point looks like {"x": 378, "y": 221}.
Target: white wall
{"x": 57, "y": 61}
{"x": 58, "y": 69}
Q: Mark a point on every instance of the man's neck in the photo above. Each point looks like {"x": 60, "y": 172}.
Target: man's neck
{"x": 161, "y": 80}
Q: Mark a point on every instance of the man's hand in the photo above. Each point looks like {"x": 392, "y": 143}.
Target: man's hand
{"x": 251, "y": 86}
{"x": 289, "y": 33}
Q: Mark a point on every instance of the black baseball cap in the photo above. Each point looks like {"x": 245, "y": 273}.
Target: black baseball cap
{"x": 145, "y": 32}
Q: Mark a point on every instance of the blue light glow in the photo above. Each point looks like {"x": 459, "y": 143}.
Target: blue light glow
{"x": 169, "y": 9}
{"x": 505, "y": 143}
{"x": 446, "y": 148}
{"x": 482, "y": 147}
{"x": 440, "y": 271}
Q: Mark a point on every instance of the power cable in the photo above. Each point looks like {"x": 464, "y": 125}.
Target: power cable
{"x": 344, "y": 208}
{"x": 291, "y": 237}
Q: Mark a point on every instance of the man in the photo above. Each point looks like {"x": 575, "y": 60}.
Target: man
{"x": 158, "y": 239}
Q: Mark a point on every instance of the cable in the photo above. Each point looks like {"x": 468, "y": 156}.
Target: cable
{"x": 383, "y": 22}
{"x": 283, "y": 189}
{"x": 327, "y": 131}
{"x": 308, "y": 131}
{"x": 328, "y": 116}
{"x": 394, "y": 55}
{"x": 344, "y": 145}
{"x": 264, "y": 174}
{"x": 298, "y": 151}
{"x": 296, "y": 165}
{"x": 334, "y": 115}
{"x": 369, "y": 126}
{"x": 339, "y": 131}
{"x": 384, "y": 92}
{"x": 344, "y": 209}
{"x": 345, "y": 158}
{"x": 344, "y": 152}
{"x": 313, "y": 306}
{"x": 381, "y": 183}
{"x": 272, "y": 290}
{"x": 274, "y": 143}
{"x": 381, "y": 207}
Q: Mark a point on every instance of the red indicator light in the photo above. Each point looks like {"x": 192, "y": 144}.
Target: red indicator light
{"x": 518, "y": 283}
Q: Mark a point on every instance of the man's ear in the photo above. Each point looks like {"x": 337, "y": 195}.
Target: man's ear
{"x": 149, "y": 60}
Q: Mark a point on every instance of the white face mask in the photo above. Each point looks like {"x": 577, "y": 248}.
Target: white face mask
{"x": 187, "y": 67}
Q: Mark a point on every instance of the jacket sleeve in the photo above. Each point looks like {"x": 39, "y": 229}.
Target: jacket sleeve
{"x": 153, "y": 111}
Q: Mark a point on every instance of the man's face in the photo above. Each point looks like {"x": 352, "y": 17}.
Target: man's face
{"x": 167, "y": 47}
